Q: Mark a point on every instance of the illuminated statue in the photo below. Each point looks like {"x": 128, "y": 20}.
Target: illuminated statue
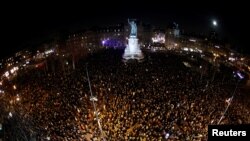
{"x": 133, "y": 26}
{"x": 132, "y": 51}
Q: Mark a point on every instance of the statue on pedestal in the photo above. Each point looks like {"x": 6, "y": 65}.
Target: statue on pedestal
{"x": 133, "y": 26}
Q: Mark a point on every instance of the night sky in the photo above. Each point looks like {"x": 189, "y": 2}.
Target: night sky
{"x": 25, "y": 24}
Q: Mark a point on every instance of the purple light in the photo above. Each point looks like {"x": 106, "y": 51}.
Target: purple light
{"x": 113, "y": 43}
{"x": 240, "y": 75}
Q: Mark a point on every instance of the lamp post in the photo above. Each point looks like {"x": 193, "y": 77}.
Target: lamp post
{"x": 238, "y": 74}
{"x": 93, "y": 99}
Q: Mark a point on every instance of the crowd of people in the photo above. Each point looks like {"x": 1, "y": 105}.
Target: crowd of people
{"x": 153, "y": 100}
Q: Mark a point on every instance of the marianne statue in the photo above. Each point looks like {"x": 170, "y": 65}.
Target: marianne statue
{"x": 133, "y": 26}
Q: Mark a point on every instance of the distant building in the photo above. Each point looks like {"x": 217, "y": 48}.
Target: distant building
{"x": 158, "y": 36}
{"x": 111, "y": 36}
{"x": 172, "y": 36}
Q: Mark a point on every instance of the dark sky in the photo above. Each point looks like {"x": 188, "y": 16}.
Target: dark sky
{"x": 26, "y": 23}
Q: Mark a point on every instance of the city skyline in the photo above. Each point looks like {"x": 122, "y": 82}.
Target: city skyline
{"x": 33, "y": 23}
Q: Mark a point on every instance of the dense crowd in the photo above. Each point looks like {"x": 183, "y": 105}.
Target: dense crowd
{"x": 157, "y": 99}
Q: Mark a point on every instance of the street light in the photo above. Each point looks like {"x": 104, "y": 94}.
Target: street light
{"x": 215, "y": 23}
{"x": 14, "y": 87}
{"x": 10, "y": 114}
{"x": 18, "y": 98}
